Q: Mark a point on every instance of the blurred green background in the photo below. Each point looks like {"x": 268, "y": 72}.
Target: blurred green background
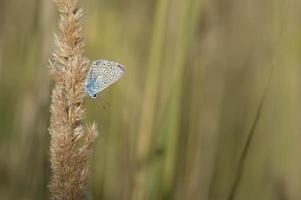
{"x": 209, "y": 108}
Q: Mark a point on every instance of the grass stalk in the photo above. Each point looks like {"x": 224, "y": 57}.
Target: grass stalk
{"x": 188, "y": 14}
{"x": 145, "y": 130}
{"x": 71, "y": 140}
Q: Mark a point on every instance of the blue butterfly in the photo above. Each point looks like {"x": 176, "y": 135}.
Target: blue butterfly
{"x": 102, "y": 73}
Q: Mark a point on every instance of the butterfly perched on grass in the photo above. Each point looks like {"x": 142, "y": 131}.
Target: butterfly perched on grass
{"x": 102, "y": 73}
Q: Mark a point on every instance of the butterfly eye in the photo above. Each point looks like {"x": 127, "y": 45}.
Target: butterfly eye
{"x": 94, "y": 95}
{"x": 105, "y": 82}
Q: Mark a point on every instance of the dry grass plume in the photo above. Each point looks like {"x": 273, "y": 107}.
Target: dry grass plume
{"x": 71, "y": 140}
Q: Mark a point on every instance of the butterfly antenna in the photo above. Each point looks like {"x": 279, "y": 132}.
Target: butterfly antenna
{"x": 105, "y": 104}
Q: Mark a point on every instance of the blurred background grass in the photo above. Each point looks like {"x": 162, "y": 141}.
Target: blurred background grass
{"x": 209, "y": 107}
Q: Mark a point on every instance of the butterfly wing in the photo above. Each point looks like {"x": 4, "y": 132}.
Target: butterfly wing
{"x": 102, "y": 73}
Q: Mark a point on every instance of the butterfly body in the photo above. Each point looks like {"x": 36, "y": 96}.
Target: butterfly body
{"x": 102, "y": 73}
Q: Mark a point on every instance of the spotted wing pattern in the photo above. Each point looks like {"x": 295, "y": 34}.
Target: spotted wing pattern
{"x": 102, "y": 73}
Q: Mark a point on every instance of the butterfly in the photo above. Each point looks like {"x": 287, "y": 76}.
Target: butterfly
{"x": 102, "y": 73}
